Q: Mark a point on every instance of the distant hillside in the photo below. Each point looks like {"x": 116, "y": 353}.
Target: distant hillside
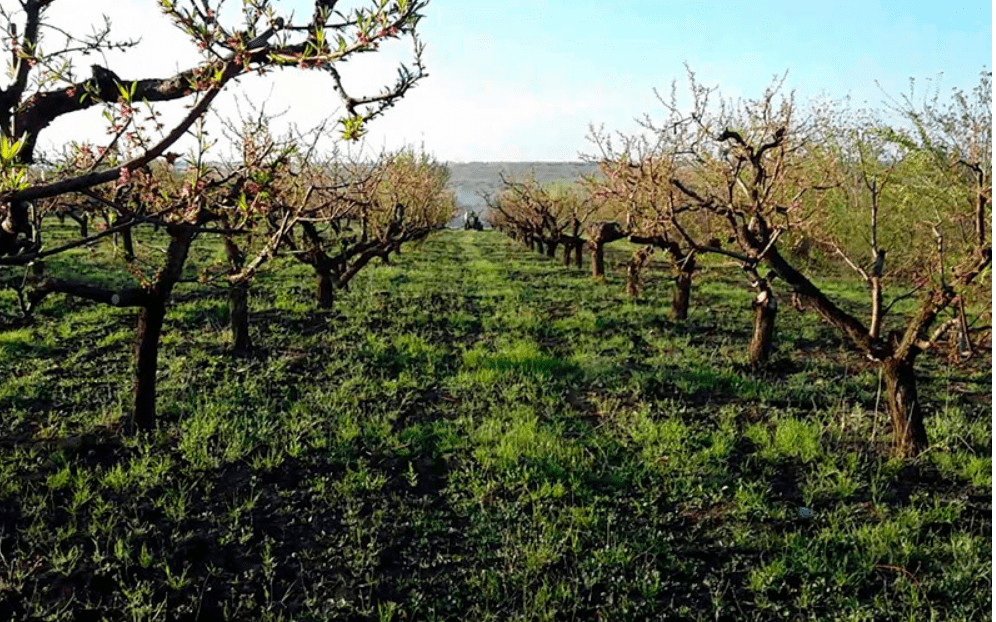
{"x": 470, "y": 180}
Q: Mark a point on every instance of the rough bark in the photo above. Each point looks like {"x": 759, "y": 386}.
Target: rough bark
{"x": 238, "y": 301}
{"x": 600, "y": 234}
{"x": 597, "y": 260}
{"x": 685, "y": 266}
{"x": 633, "y": 270}
{"x": 807, "y": 293}
{"x": 682, "y": 295}
{"x": 909, "y": 433}
{"x": 765, "y": 311}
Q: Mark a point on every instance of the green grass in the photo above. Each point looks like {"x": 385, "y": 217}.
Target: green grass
{"x": 477, "y": 432}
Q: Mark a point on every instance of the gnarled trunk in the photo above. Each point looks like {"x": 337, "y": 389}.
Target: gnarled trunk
{"x": 765, "y": 310}
{"x": 633, "y": 270}
{"x": 682, "y": 295}
{"x": 909, "y": 434}
{"x": 685, "y": 265}
{"x": 568, "y": 247}
{"x": 597, "y": 260}
{"x": 551, "y": 249}
{"x": 600, "y": 234}
{"x": 578, "y": 251}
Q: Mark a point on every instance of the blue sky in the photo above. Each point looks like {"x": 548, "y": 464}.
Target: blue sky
{"x": 572, "y": 63}
{"x": 522, "y": 80}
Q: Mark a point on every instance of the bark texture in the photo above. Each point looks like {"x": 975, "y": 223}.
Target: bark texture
{"x": 763, "y": 339}
{"x": 682, "y": 295}
{"x": 909, "y": 433}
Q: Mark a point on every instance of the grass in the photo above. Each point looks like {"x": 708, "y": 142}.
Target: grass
{"x": 477, "y": 432}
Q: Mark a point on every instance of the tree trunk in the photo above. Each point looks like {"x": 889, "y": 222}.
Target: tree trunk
{"x": 568, "y": 247}
{"x": 238, "y": 316}
{"x": 600, "y": 234}
{"x": 326, "y": 289}
{"x": 578, "y": 251}
{"x": 597, "y": 260}
{"x": 682, "y": 295}
{"x": 635, "y": 268}
{"x": 150, "y": 326}
{"x": 765, "y": 310}
{"x": 632, "y": 281}
{"x": 909, "y": 434}
{"x": 129, "y": 244}
{"x": 37, "y": 271}
{"x": 238, "y": 300}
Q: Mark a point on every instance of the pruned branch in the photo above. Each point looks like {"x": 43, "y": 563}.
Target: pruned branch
{"x": 127, "y": 297}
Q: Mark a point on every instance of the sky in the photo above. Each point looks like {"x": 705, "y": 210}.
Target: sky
{"x": 521, "y": 80}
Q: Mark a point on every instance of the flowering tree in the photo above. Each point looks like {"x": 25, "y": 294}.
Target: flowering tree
{"x": 635, "y": 180}
{"x": 181, "y": 202}
{"x": 363, "y": 211}
{"x": 45, "y": 87}
{"x": 761, "y": 169}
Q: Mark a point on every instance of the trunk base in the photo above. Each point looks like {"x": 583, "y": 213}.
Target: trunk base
{"x": 909, "y": 434}
{"x": 150, "y": 326}
{"x": 238, "y": 314}
{"x": 682, "y": 296}
{"x": 326, "y": 291}
{"x": 762, "y": 342}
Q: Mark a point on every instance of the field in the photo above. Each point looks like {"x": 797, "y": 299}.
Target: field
{"x": 478, "y": 433}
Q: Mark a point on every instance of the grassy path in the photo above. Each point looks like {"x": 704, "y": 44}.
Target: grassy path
{"x": 479, "y": 433}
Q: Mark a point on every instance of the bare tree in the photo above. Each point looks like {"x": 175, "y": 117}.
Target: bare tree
{"x": 754, "y": 166}
{"x": 635, "y": 181}
{"x": 364, "y": 211}
{"x": 552, "y": 215}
